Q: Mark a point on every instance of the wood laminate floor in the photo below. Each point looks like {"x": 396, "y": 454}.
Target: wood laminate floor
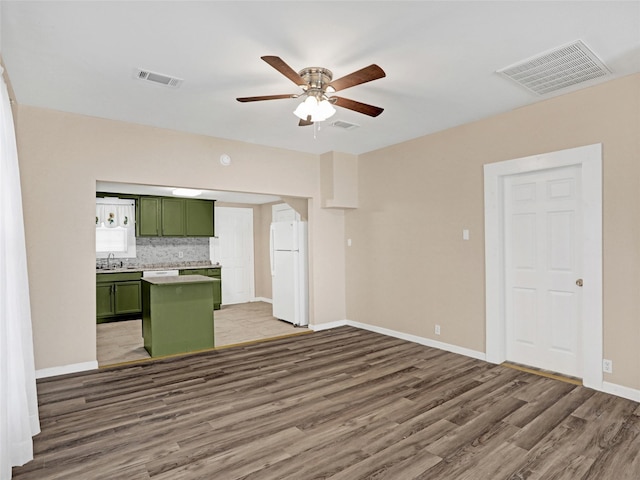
{"x": 122, "y": 341}
{"x": 341, "y": 404}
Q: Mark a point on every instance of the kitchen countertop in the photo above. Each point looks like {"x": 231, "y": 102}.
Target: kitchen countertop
{"x": 169, "y": 266}
{"x": 177, "y": 279}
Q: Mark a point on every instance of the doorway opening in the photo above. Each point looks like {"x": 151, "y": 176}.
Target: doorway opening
{"x": 246, "y": 312}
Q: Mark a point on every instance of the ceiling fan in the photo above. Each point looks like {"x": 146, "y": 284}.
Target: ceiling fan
{"x": 317, "y": 84}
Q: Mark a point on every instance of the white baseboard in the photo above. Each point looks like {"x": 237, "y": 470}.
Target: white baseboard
{"x": 318, "y": 327}
{"x": 403, "y": 336}
{"x": 620, "y": 391}
{"x": 66, "y": 369}
{"x": 261, "y": 299}
{"x": 421, "y": 340}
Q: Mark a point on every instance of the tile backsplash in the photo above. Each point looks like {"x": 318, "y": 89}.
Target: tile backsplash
{"x": 166, "y": 250}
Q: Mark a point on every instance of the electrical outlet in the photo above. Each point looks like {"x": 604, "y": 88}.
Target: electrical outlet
{"x": 180, "y": 254}
{"x": 607, "y": 366}
{"x": 437, "y": 329}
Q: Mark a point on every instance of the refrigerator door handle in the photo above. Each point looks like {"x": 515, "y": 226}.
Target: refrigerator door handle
{"x": 271, "y": 248}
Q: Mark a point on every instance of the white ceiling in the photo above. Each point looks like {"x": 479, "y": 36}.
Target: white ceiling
{"x": 440, "y": 59}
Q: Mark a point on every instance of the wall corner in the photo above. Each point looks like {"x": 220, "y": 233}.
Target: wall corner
{"x": 338, "y": 180}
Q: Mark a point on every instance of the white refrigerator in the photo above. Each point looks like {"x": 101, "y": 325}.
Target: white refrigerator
{"x": 289, "y": 271}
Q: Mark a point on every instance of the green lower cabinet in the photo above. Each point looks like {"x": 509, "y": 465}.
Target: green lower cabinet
{"x": 217, "y": 286}
{"x": 104, "y": 300}
{"x": 118, "y": 296}
{"x": 128, "y": 297}
{"x": 177, "y": 318}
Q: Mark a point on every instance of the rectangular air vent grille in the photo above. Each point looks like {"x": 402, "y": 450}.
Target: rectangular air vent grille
{"x": 158, "y": 78}
{"x": 557, "y": 69}
{"x": 344, "y": 125}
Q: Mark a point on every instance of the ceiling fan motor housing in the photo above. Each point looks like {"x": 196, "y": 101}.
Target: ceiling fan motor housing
{"x": 317, "y": 79}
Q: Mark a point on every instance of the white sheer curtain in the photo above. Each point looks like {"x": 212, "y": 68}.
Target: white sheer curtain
{"x": 115, "y": 214}
{"x": 18, "y": 397}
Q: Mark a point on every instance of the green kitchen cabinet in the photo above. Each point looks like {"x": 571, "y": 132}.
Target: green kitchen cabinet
{"x": 199, "y": 218}
{"x": 214, "y": 273}
{"x": 118, "y": 296}
{"x": 127, "y": 297}
{"x": 104, "y": 300}
{"x": 148, "y": 217}
{"x": 173, "y": 217}
{"x": 177, "y": 315}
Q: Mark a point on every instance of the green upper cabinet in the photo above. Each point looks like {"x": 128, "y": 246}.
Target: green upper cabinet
{"x": 149, "y": 217}
{"x": 199, "y": 218}
{"x": 173, "y": 217}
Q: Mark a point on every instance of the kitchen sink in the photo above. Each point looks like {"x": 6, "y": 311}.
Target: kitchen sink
{"x": 104, "y": 268}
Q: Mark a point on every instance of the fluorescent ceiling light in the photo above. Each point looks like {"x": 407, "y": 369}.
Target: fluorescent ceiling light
{"x": 186, "y": 192}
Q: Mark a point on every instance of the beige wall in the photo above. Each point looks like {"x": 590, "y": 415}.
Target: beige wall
{"x": 62, "y": 155}
{"x": 409, "y": 268}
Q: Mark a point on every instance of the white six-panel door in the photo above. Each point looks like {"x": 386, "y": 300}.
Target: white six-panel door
{"x": 234, "y": 229}
{"x": 542, "y": 240}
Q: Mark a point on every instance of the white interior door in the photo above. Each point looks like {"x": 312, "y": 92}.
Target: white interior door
{"x": 234, "y": 229}
{"x": 543, "y": 261}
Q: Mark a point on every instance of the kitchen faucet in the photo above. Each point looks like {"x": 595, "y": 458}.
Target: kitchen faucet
{"x": 109, "y": 257}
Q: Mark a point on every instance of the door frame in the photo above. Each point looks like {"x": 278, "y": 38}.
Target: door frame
{"x": 589, "y": 158}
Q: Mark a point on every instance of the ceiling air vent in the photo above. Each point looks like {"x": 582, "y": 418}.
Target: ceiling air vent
{"x": 556, "y": 69}
{"x": 159, "y": 78}
{"x": 344, "y": 125}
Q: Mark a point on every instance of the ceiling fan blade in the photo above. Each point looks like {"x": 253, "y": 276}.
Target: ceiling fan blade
{"x": 304, "y": 123}
{"x": 364, "y": 75}
{"x": 284, "y": 69}
{"x": 357, "y": 106}
{"x": 265, "y": 97}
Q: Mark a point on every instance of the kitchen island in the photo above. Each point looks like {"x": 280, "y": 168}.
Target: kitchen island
{"x": 177, "y": 314}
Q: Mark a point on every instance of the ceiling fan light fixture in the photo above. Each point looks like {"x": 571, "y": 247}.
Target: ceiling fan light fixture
{"x": 317, "y": 110}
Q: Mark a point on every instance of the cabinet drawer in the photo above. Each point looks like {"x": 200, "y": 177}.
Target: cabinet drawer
{"x": 213, "y": 272}
{"x": 118, "y": 277}
{"x": 193, "y": 271}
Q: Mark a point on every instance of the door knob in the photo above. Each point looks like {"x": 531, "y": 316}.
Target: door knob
{"x": 579, "y": 282}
